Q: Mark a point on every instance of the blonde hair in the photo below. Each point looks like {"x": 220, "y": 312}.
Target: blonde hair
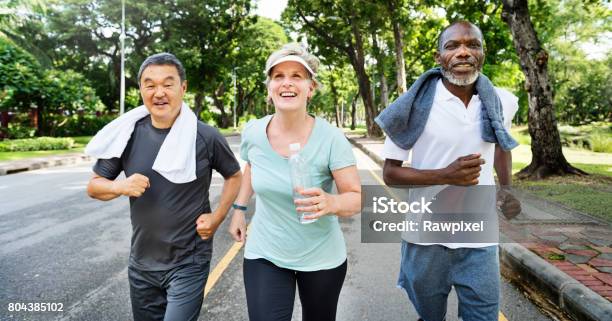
{"x": 293, "y": 49}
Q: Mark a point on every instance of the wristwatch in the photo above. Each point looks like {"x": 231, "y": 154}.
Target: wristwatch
{"x": 239, "y": 207}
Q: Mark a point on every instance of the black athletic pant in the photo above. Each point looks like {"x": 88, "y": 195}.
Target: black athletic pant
{"x": 174, "y": 295}
{"x": 270, "y": 291}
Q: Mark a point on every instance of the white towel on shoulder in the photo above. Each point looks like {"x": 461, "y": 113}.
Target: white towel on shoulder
{"x": 176, "y": 159}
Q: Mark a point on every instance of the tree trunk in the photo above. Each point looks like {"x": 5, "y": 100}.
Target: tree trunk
{"x": 4, "y": 118}
{"x": 224, "y": 120}
{"x": 380, "y": 68}
{"x": 240, "y": 104}
{"x": 198, "y": 104}
{"x": 398, "y": 37}
{"x": 353, "y": 112}
{"x": 41, "y": 121}
{"x": 546, "y": 149}
{"x": 334, "y": 91}
{"x": 356, "y": 55}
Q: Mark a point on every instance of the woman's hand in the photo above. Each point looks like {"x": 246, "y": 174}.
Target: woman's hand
{"x": 237, "y": 227}
{"x": 317, "y": 202}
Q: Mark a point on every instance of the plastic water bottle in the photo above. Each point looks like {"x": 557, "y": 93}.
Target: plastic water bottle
{"x": 300, "y": 178}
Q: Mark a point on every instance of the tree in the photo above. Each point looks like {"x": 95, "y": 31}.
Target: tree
{"x": 396, "y": 7}
{"x": 16, "y": 14}
{"x": 257, "y": 42}
{"x": 338, "y": 90}
{"x": 340, "y": 25}
{"x": 580, "y": 79}
{"x": 547, "y": 155}
{"x": 205, "y": 38}
{"x": 84, "y": 36}
{"x": 20, "y": 85}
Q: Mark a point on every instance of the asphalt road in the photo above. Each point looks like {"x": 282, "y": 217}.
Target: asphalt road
{"x": 59, "y": 246}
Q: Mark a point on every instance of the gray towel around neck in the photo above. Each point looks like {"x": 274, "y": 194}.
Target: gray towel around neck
{"x": 404, "y": 120}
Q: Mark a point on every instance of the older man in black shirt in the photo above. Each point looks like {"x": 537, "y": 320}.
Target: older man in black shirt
{"x": 172, "y": 223}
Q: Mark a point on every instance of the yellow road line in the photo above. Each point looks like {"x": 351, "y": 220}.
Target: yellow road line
{"x": 502, "y": 317}
{"x": 216, "y": 273}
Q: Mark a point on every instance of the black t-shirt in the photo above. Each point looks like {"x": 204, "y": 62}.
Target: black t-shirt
{"x": 164, "y": 217}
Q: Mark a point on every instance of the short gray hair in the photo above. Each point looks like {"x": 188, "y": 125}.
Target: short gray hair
{"x": 160, "y": 59}
{"x": 293, "y": 49}
{"x": 458, "y": 22}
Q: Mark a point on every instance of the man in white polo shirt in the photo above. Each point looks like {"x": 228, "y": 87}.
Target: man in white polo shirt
{"x": 457, "y": 140}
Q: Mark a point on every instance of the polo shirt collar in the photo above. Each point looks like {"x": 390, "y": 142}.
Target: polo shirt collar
{"x": 443, "y": 94}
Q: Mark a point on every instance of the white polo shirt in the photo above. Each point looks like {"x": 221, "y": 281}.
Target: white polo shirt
{"x": 452, "y": 131}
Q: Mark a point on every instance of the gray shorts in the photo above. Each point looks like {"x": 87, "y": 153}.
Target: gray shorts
{"x": 173, "y": 295}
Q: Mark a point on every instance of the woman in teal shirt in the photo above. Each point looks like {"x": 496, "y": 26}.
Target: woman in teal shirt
{"x": 281, "y": 252}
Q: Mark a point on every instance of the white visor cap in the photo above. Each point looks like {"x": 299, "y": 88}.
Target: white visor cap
{"x": 292, "y": 58}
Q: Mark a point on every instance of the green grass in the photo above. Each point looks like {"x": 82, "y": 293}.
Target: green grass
{"x": 78, "y": 147}
{"x": 601, "y": 143}
{"x": 596, "y": 136}
{"x": 12, "y": 156}
{"x": 596, "y": 169}
{"x": 81, "y": 140}
{"x": 590, "y": 194}
{"x": 359, "y": 130}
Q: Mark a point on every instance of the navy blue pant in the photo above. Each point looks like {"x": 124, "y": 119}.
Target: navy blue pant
{"x": 270, "y": 291}
{"x": 173, "y": 295}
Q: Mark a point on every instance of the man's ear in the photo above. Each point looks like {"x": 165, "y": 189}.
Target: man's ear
{"x": 437, "y": 57}
{"x": 184, "y": 86}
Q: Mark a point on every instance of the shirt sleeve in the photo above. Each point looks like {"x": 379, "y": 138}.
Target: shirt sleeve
{"x": 341, "y": 155}
{"x": 509, "y": 106}
{"x": 392, "y": 151}
{"x": 108, "y": 168}
{"x": 222, "y": 158}
{"x": 244, "y": 141}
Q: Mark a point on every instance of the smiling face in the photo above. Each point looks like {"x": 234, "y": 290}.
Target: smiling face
{"x": 162, "y": 93}
{"x": 290, "y": 86}
{"x": 461, "y": 54}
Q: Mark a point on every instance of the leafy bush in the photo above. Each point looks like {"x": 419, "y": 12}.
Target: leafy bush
{"x": 601, "y": 143}
{"x": 16, "y": 131}
{"x": 77, "y": 125}
{"x": 68, "y": 91}
{"x": 32, "y": 144}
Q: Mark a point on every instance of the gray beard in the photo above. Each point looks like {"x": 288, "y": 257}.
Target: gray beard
{"x": 460, "y": 81}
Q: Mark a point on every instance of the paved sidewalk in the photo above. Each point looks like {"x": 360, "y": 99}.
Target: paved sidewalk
{"x": 572, "y": 264}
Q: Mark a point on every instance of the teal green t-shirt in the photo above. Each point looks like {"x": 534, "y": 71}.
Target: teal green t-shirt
{"x": 276, "y": 233}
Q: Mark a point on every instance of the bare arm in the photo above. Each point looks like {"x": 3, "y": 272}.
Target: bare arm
{"x": 463, "y": 171}
{"x": 207, "y": 223}
{"x": 503, "y": 166}
{"x": 344, "y": 204}
{"x": 509, "y": 205}
{"x": 348, "y": 200}
{"x": 104, "y": 189}
{"x": 237, "y": 226}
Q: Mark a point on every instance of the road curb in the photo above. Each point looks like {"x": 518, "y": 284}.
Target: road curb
{"x": 29, "y": 164}
{"x": 38, "y": 163}
{"x": 368, "y": 152}
{"x": 569, "y": 295}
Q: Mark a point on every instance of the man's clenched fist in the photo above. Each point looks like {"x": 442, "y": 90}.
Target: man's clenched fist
{"x": 206, "y": 225}
{"x": 507, "y": 203}
{"x": 133, "y": 186}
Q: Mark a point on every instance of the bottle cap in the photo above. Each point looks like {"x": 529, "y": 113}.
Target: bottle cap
{"x": 295, "y": 147}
